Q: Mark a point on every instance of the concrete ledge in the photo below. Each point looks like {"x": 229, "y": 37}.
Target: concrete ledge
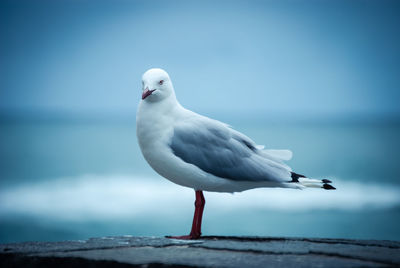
{"x": 210, "y": 251}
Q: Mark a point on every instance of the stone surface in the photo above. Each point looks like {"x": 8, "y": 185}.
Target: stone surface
{"x": 128, "y": 251}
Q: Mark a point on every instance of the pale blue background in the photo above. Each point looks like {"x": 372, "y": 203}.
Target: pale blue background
{"x": 290, "y": 57}
{"x": 319, "y": 77}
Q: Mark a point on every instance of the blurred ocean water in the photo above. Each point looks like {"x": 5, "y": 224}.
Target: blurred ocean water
{"x": 66, "y": 179}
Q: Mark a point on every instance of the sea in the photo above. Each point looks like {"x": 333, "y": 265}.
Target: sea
{"x": 76, "y": 178}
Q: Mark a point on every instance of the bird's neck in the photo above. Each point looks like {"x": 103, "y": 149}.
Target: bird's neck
{"x": 165, "y": 106}
{"x": 160, "y": 110}
{"x": 155, "y": 120}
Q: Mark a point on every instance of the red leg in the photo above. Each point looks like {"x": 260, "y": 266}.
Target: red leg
{"x": 195, "y": 233}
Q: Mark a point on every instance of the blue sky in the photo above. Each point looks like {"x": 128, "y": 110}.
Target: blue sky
{"x": 254, "y": 57}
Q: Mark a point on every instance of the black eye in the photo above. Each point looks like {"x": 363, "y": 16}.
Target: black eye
{"x": 161, "y": 82}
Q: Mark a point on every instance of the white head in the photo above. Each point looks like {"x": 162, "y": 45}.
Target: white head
{"x": 156, "y": 85}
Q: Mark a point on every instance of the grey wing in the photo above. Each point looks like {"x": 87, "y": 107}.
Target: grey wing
{"x": 219, "y": 150}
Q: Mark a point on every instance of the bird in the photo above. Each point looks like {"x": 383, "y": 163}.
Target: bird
{"x": 198, "y": 152}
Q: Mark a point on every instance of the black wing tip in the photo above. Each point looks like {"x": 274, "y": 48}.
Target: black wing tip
{"x": 327, "y": 186}
{"x": 326, "y": 181}
{"x": 296, "y": 176}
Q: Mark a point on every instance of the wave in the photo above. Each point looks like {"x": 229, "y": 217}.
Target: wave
{"x": 109, "y": 197}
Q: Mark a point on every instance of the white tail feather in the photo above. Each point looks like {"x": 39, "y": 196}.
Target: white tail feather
{"x": 310, "y": 183}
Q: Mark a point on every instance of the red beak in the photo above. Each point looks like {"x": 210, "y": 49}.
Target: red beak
{"x": 147, "y": 93}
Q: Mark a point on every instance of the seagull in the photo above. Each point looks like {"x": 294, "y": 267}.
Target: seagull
{"x": 205, "y": 154}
